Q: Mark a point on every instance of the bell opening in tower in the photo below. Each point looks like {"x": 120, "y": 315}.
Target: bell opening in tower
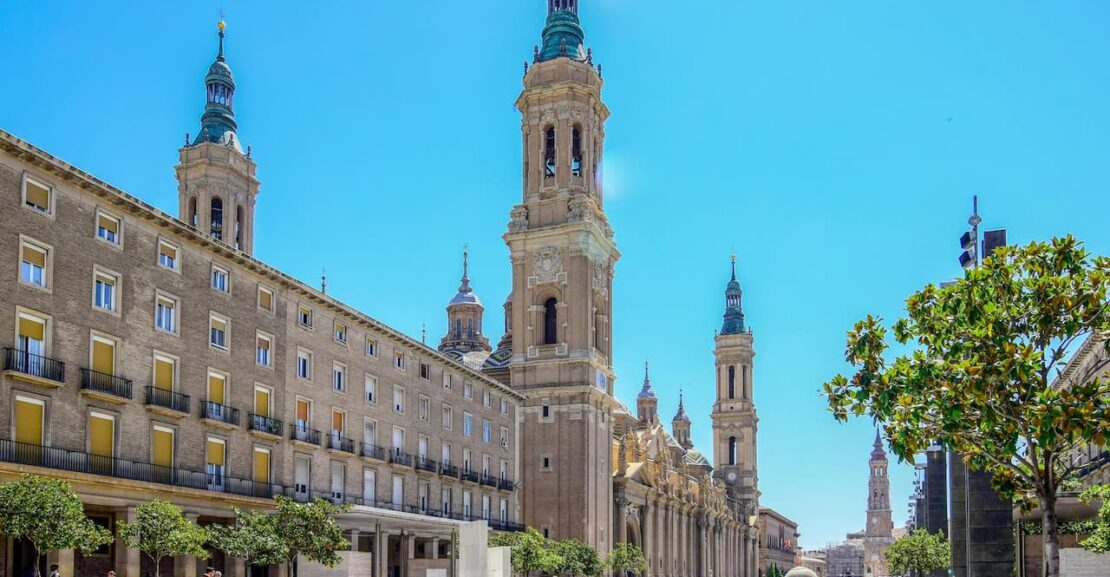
{"x": 549, "y": 152}
{"x": 576, "y": 152}
{"x": 217, "y": 225}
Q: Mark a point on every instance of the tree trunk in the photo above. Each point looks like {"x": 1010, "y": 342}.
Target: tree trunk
{"x": 157, "y": 566}
{"x": 289, "y": 566}
{"x": 1049, "y": 538}
{"x": 39, "y": 560}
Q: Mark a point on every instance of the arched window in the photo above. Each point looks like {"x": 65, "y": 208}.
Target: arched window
{"x": 732, "y": 457}
{"x": 458, "y": 328}
{"x": 576, "y": 152}
{"x": 732, "y": 382}
{"x": 192, "y": 211}
{"x": 549, "y": 152}
{"x": 470, "y": 328}
{"x": 239, "y": 226}
{"x": 217, "y": 219}
{"x": 549, "y": 319}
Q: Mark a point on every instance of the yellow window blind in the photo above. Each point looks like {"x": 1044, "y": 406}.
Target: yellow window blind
{"x": 302, "y": 410}
{"x": 103, "y": 357}
{"x": 219, "y": 325}
{"x": 34, "y": 256}
{"x": 28, "y": 421}
{"x": 38, "y": 195}
{"x": 215, "y": 453}
{"x": 101, "y": 435}
{"x": 216, "y": 389}
{"x": 262, "y": 402}
{"x": 33, "y": 329}
{"x": 163, "y": 374}
{"x": 109, "y": 224}
{"x": 261, "y": 466}
{"x": 161, "y": 442}
{"x": 168, "y": 251}
{"x": 338, "y": 420}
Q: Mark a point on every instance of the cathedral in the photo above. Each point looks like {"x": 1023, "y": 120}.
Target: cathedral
{"x": 640, "y": 483}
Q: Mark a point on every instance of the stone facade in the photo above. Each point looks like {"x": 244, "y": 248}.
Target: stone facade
{"x": 778, "y": 541}
{"x": 880, "y": 525}
{"x": 845, "y": 559}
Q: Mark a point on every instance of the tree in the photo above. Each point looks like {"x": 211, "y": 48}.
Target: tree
{"x": 531, "y": 551}
{"x": 49, "y": 515}
{"x": 1099, "y": 539}
{"x": 309, "y": 530}
{"x": 160, "y": 530}
{"x": 919, "y": 552}
{"x": 578, "y": 559}
{"x": 254, "y": 538}
{"x": 626, "y": 557}
{"x": 980, "y": 379}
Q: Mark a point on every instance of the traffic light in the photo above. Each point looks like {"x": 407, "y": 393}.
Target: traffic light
{"x": 967, "y": 243}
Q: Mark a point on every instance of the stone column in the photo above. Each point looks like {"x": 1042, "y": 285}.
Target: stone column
{"x": 408, "y": 552}
{"x": 622, "y": 520}
{"x": 186, "y": 565}
{"x": 63, "y": 559}
{"x": 127, "y": 560}
{"x": 381, "y": 553}
{"x": 435, "y": 547}
{"x": 660, "y": 539}
{"x": 647, "y": 531}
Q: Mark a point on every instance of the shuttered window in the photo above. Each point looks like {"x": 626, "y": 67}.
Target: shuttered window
{"x": 302, "y": 412}
{"x": 32, "y": 328}
{"x": 102, "y": 434}
{"x": 218, "y": 332}
{"x": 261, "y": 465}
{"x": 262, "y": 402}
{"x": 338, "y": 421}
{"x": 215, "y": 453}
{"x": 32, "y": 269}
{"x": 265, "y": 299}
{"x": 28, "y": 420}
{"x": 216, "y": 386}
{"x": 167, "y": 255}
{"x": 163, "y": 373}
{"x": 107, "y": 228}
{"x": 103, "y": 356}
{"x": 161, "y": 447}
{"x": 37, "y": 196}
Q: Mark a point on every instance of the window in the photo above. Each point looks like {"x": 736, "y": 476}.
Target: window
{"x": 220, "y": 279}
{"x": 261, "y": 468}
{"x": 550, "y": 315}
{"x": 167, "y": 255}
{"x": 371, "y": 384}
{"x": 370, "y": 433}
{"x": 217, "y": 224}
{"x": 425, "y": 371}
{"x": 165, "y": 372}
{"x": 398, "y": 492}
{"x": 217, "y": 394}
{"x": 487, "y": 431}
{"x": 425, "y": 408}
{"x": 262, "y": 396}
{"x": 398, "y": 440}
{"x": 399, "y": 360}
{"x": 504, "y": 437}
{"x": 549, "y": 152}
{"x": 545, "y": 462}
{"x": 468, "y": 390}
{"x": 732, "y": 382}
{"x": 265, "y": 299}
{"x": 398, "y": 400}
{"x": 487, "y": 398}
{"x": 104, "y": 290}
{"x": 338, "y": 423}
{"x": 504, "y": 407}
{"x": 161, "y": 449}
{"x": 265, "y": 344}
{"x": 302, "y": 476}
{"x": 732, "y": 456}
{"x": 108, "y": 228}
{"x": 445, "y": 454}
{"x": 102, "y": 355}
{"x": 304, "y": 316}
{"x": 576, "y": 151}
{"x": 215, "y": 454}
{"x": 165, "y": 313}
{"x": 304, "y": 364}
{"x": 503, "y": 471}
{"x": 371, "y": 347}
{"x": 340, "y": 332}
{"x": 466, "y": 504}
{"x": 485, "y": 465}
{"x": 446, "y": 380}
{"x": 466, "y": 460}
{"x": 485, "y": 506}
{"x": 545, "y": 411}
{"x": 29, "y": 421}
{"x": 445, "y": 495}
{"x": 38, "y": 196}
{"x": 303, "y": 414}
{"x": 218, "y": 327}
{"x": 369, "y": 487}
{"x": 448, "y": 417}
{"x": 503, "y": 511}
{"x": 101, "y": 436}
{"x": 468, "y": 423}
{"x": 339, "y": 378}
{"x": 33, "y": 268}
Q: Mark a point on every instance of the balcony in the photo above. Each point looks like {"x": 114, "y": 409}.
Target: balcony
{"x": 337, "y": 442}
{"x": 470, "y": 476}
{"x": 427, "y": 465}
{"x": 34, "y": 369}
{"x": 373, "y": 452}
{"x": 505, "y": 484}
{"x": 169, "y": 403}
{"x": 302, "y": 434}
{"x": 265, "y": 426}
{"x": 499, "y": 525}
{"x": 448, "y": 470}
{"x": 105, "y": 387}
{"x": 219, "y": 415}
{"x": 399, "y": 457}
{"x": 489, "y": 480}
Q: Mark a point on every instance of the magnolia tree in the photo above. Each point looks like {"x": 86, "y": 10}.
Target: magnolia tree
{"x": 160, "y": 530}
{"x": 309, "y": 530}
{"x": 254, "y": 538}
{"x": 919, "y": 553}
{"x": 1099, "y": 539}
{"x": 978, "y": 373}
{"x": 49, "y": 515}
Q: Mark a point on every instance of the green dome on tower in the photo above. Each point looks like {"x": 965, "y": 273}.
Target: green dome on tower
{"x": 217, "y": 124}
{"x": 562, "y": 35}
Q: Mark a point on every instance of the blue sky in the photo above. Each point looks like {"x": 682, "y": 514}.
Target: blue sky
{"x": 835, "y": 145}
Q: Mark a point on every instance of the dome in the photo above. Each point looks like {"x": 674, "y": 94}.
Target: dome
{"x": 465, "y": 298}
{"x": 801, "y": 572}
{"x": 220, "y": 71}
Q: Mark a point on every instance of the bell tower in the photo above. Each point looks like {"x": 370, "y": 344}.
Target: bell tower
{"x": 562, "y": 252}
{"x": 216, "y": 182}
{"x": 880, "y": 526}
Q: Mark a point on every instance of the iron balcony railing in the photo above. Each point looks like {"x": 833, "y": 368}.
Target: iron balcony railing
{"x": 400, "y": 457}
{"x": 305, "y": 435}
{"x": 265, "y": 424}
{"x": 105, "y": 383}
{"x": 218, "y": 412}
{"x": 505, "y": 484}
{"x": 489, "y": 480}
{"x": 471, "y": 476}
{"x": 426, "y": 464}
{"x": 448, "y": 470}
{"x": 35, "y": 365}
{"x": 373, "y": 451}
{"x": 340, "y": 443}
{"x": 172, "y": 400}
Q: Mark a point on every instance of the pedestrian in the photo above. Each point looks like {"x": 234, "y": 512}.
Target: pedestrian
{"x": 111, "y": 573}
{"x": 209, "y": 571}
{"x": 54, "y": 571}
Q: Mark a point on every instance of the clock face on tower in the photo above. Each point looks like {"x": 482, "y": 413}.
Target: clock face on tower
{"x": 732, "y": 476}
{"x": 874, "y": 520}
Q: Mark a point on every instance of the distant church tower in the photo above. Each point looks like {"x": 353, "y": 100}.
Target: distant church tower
{"x": 734, "y": 419}
{"x": 216, "y": 183}
{"x": 464, "y": 318}
{"x": 680, "y": 425}
{"x": 647, "y": 406}
{"x": 880, "y": 526}
{"x": 562, "y": 252}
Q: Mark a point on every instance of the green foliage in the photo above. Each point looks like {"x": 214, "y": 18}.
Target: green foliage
{"x": 773, "y": 570}
{"x": 253, "y": 538}
{"x": 531, "y": 551}
{"x": 1099, "y": 539}
{"x": 579, "y": 559}
{"x": 160, "y": 530}
{"x": 919, "y": 552}
{"x": 985, "y": 351}
{"x": 309, "y": 530}
{"x": 626, "y": 557}
{"x": 48, "y": 514}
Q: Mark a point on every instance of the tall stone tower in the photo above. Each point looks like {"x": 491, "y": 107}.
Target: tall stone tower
{"x": 216, "y": 183}
{"x": 735, "y": 424}
{"x": 464, "y": 318}
{"x": 562, "y": 252}
{"x": 880, "y": 525}
{"x": 647, "y": 406}
{"x": 680, "y": 425}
